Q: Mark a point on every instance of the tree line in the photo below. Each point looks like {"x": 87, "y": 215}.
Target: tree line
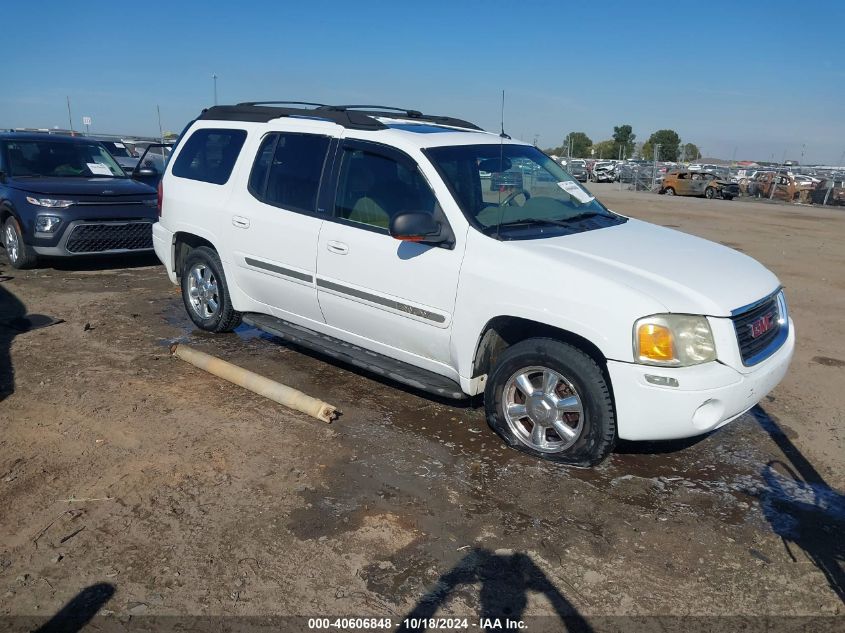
{"x": 623, "y": 145}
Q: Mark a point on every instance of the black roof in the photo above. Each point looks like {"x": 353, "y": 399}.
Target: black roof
{"x": 358, "y": 117}
{"x": 43, "y": 136}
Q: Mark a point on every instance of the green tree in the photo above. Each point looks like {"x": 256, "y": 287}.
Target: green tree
{"x": 669, "y": 142}
{"x": 605, "y": 149}
{"x": 690, "y": 151}
{"x": 624, "y": 137}
{"x": 579, "y": 142}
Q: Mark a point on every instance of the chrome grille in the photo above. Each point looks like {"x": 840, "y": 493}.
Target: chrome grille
{"x": 755, "y": 349}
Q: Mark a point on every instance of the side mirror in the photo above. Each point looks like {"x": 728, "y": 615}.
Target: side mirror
{"x": 416, "y": 227}
{"x": 144, "y": 171}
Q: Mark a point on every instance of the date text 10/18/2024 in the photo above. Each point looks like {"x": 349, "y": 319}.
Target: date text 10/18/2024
{"x": 417, "y": 624}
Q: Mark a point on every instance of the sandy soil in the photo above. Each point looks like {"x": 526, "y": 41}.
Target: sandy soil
{"x": 177, "y": 493}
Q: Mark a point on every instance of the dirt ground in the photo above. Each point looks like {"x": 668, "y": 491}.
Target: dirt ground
{"x": 172, "y": 492}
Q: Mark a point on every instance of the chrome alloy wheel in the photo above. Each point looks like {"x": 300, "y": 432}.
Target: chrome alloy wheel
{"x": 202, "y": 291}
{"x": 11, "y": 242}
{"x": 543, "y": 409}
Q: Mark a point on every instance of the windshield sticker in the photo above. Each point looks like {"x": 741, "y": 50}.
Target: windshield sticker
{"x": 98, "y": 169}
{"x": 120, "y": 145}
{"x": 574, "y": 190}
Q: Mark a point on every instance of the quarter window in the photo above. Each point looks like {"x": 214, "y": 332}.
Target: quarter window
{"x": 209, "y": 155}
{"x": 372, "y": 189}
{"x": 288, "y": 169}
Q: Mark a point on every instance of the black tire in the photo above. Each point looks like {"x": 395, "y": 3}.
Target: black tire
{"x": 669, "y": 191}
{"x": 222, "y": 319}
{"x": 710, "y": 193}
{"x": 727, "y": 196}
{"x": 22, "y": 257}
{"x": 597, "y": 433}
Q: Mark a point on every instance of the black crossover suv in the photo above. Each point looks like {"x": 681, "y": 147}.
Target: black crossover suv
{"x": 64, "y": 196}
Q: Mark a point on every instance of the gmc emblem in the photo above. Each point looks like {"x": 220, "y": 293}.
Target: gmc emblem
{"x": 761, "y": 325}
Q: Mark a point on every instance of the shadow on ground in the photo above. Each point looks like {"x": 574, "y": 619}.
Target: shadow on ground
{"x": 77, "y": 613}
{"x": 12, "y": 310}
{"x": 802, "y": 508}
{"x": 505, "y": 580}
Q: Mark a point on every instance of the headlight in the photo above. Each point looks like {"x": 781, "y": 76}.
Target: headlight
{"x": 673, "y": 340}
{"x": 783, "y": 310}
{"x": 47, "y": 223}
{"x": 49, "y": 202}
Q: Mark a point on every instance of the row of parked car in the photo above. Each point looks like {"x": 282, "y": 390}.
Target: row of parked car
{"x": 820, "y": 186}
{"x": 422, "y": 249}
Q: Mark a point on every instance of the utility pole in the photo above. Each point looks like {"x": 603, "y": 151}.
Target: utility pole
{"x": 654, "y": 166}
{"x": 160, "y": 133}
{"x": 69, "y": 117}
{"x": 214, "y": 77}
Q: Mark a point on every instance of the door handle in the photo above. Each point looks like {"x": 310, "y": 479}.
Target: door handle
{"x": 240, "y": 222}
{"x": 338, "y": 248}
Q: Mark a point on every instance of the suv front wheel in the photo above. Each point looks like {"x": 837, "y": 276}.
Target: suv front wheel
{"x": 550, "y": 400}
{"x": 21, "y": 255}
{"x": 206, "y": 293}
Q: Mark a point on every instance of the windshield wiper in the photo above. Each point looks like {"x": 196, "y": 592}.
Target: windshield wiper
{"x": 565, "y": 222}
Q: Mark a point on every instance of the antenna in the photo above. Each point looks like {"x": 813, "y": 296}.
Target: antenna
{"x": 503, "y": 135}
{"x": 502, "y": 138}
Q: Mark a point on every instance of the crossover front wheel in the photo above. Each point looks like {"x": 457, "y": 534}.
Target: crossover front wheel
{"x": 20, "y": 254}
{"x": 551, "y": 400}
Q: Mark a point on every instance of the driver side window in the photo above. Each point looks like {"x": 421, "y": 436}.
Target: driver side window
{"x": 373, "y": 188}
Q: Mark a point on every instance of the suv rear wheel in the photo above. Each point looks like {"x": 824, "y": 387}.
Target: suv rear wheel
{"x": 20, "y": 254}
{"x": 206, "y": 293}
{"x": 550, "y": 400}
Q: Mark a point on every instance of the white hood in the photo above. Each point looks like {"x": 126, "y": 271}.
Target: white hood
{"x": 686, "y": 274}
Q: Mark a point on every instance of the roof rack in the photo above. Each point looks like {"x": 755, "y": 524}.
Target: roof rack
{"x": 358, "y": 117}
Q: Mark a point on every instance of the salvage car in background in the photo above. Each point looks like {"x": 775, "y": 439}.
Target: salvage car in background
{"x": 831, "y": 192}
{"x": 578, "y": 170}
{"x": 781, "y": 186}
{"x": 62, "y": 196}
{"x": 686, "y": 183}
{"x": 603, "y": 172}
{"x": 120, "y": 152}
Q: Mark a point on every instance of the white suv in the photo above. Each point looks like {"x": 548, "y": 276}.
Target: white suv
{"x": 371, "y": 234}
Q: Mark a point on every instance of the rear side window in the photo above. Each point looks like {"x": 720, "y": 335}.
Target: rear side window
{"x": 288, "y": 169}
{"x": 209, "y": 155}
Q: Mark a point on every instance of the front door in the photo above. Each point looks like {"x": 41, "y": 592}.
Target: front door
{"x": 275, "y": 225}
{"x": 395, "y": 297}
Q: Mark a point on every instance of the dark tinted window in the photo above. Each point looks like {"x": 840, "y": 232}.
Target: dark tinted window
{"x": 293, "y": 176}
{"x": 373, "y": 188}
{"x": 209, "y": 155}
{"x": 258, "y": 176}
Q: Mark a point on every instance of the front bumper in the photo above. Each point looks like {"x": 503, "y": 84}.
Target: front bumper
{"x": 707, "y": 396}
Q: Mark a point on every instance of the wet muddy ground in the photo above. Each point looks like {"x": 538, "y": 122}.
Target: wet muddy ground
{"x": 187, "y": 495}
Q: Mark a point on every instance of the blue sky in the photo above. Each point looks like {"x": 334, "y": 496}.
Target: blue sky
{"x": 757, "y": 80}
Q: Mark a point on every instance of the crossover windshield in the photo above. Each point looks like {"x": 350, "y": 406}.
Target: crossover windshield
{"x": 117, "y": 149}
{"x": 517, "y": 192}
{"x": 62, "y": 159}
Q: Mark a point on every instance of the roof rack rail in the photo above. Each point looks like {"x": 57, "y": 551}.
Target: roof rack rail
{"x": 406, "y": 111}
{"x": 358, "y": 117}
{"x": 264, "y": 103}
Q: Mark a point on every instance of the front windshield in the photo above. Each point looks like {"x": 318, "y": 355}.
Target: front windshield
{"x": 512, "y": 188}
{"x": 61, "y": 159}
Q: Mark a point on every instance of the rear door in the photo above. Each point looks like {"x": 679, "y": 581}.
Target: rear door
{"x": 275, "y": 224}
{"x": 391, "y": 296}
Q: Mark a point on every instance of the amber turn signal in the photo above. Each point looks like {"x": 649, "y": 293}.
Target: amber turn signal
{"x": 655, "y": 343}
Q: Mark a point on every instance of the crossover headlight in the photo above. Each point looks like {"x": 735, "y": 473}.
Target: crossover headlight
{"x": 51, "y": 203}
{"x": 673, "y": 340}
{"x": 47, "y": 223}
